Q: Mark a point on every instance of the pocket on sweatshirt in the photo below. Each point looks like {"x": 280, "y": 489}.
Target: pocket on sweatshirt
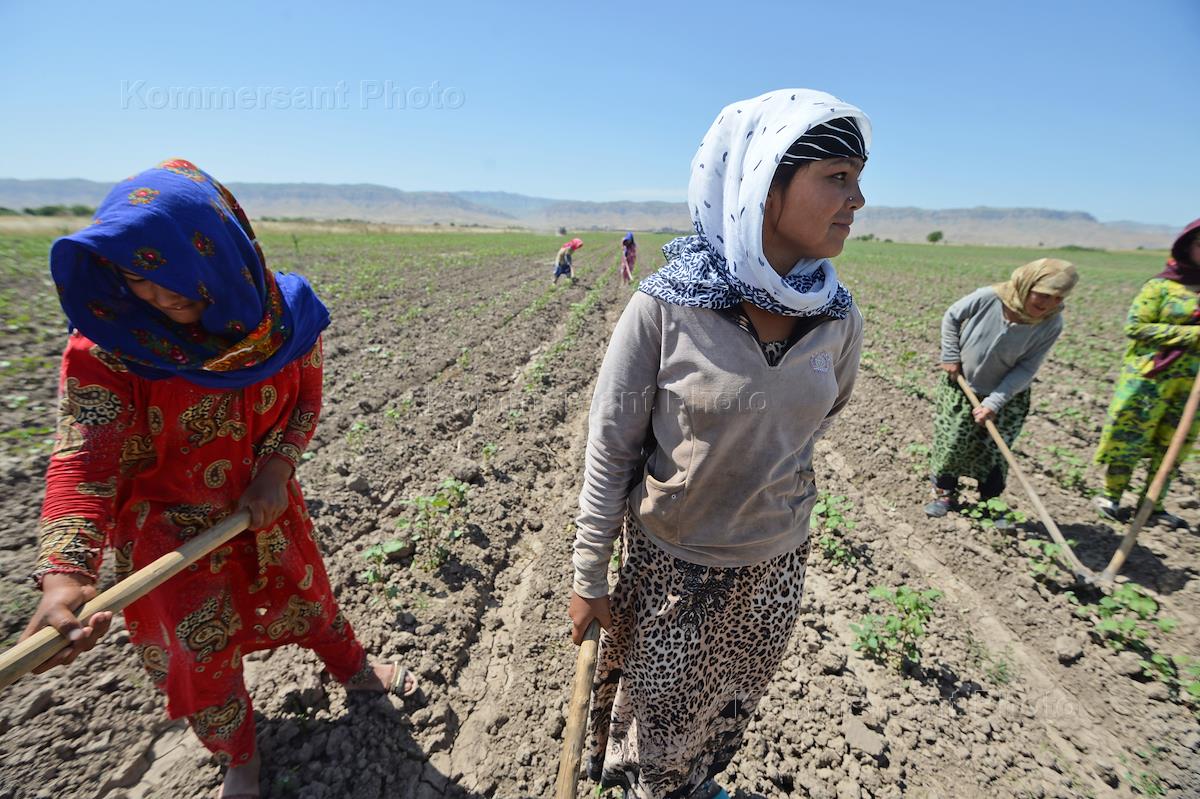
{"x": 659, "y": 508}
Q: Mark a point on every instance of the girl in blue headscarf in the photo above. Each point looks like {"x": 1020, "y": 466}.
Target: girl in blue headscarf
{"x": 190, "y": 387}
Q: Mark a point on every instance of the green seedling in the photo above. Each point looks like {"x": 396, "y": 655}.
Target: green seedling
{"x": 984, "y": 514}
{"x": 1127, "y": 619}
{"x": 1042, "y": 557}
{"x": 895, "y": 639}
{"x": 830, "y": 521}
{"x": 356, "y": 436}
{"x": 436, "y": 520}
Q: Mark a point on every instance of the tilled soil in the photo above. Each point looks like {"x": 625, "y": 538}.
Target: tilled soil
{"x": 487, "y": 382}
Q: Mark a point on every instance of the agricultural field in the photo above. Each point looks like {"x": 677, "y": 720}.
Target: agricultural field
{"x": 934, "y": 659}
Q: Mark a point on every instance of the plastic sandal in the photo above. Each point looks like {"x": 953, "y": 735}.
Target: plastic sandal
{"x": 399, "y": 672}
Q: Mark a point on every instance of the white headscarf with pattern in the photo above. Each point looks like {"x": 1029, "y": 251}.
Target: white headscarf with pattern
{"x": 731, "y": 174}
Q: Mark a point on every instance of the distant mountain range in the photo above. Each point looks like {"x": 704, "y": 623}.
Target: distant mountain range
{"x": 373, "y": 203}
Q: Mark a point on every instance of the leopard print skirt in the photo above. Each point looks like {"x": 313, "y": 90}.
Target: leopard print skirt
{"x": 961, "y": 447}
{"x": 690, "y": 653}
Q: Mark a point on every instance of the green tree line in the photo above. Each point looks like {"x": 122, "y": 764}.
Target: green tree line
{"x": 50, "y": 210}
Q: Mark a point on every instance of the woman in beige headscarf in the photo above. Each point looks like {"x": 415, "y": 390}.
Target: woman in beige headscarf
{"x": 996, "y": 337}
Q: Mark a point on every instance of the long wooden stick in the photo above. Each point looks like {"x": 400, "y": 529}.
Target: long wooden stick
{"x": 46, "y": 642}
{"x": 1081, "y": 572}
{"x": 581, "y": 694}
{"x": 1156, "y": 486}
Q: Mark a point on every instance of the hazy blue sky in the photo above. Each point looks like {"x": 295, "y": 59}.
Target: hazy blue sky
{"x": 1074, "y": 105}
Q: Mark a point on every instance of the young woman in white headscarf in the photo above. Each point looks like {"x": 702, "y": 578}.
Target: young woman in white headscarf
{"x": 725, "y": 368}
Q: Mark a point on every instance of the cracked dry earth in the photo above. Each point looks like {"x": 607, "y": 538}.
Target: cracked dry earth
{"x": 449, "y": 357}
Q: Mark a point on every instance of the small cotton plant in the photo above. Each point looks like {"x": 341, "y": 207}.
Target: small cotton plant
{"x": 1043, "y": 559}
{"x": 829, "y": 518}
{"x": 1125, "y": 617}
{"x": 894, "y": 639}
{"x": 434, "y": 522}
{"x": 1128, "y": 619}
{"x": 983, "y": 514}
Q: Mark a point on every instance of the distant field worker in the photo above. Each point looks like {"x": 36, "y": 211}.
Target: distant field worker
{"x": 1160, "y": 366}
{"x": 191, "y": 386}
{"x": 628, "y": 258}
{"x": 726, "y": 367}
{"x": 562, "y": 261}
{"x": 997, "y": 338}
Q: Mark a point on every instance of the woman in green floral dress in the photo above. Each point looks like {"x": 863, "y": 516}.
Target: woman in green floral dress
{"x": 1160, "y": 366}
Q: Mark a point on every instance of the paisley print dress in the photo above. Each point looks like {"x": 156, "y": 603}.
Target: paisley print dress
{"x": 141, "y": 466}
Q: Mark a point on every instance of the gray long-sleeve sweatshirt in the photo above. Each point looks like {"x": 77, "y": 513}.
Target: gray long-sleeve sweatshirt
{"x": 999, "y": 358}
{"x": 729, "y": 481}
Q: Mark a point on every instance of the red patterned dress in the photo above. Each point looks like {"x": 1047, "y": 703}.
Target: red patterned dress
{"x": 144, "y": 465}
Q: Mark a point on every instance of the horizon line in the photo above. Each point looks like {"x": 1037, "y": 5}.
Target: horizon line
{"x": 867, "y": 209}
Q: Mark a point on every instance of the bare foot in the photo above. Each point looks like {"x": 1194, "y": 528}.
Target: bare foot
{"x": 379, "y": 677}
{"x": 242, "y": 780}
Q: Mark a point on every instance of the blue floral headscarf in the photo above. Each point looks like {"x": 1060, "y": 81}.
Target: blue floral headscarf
{"x": 179, "y": 228}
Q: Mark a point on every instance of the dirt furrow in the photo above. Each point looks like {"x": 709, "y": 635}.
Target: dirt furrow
{"x": 1087, "y": 733}
{"x": 1124, "y": 731}
{"x": 509, "y": 739}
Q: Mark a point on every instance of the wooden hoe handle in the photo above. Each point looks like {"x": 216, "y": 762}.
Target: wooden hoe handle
{"x": 42, "y": 645}
{"x": 1081, "y": 572}
{"x": 581, "y": 694}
